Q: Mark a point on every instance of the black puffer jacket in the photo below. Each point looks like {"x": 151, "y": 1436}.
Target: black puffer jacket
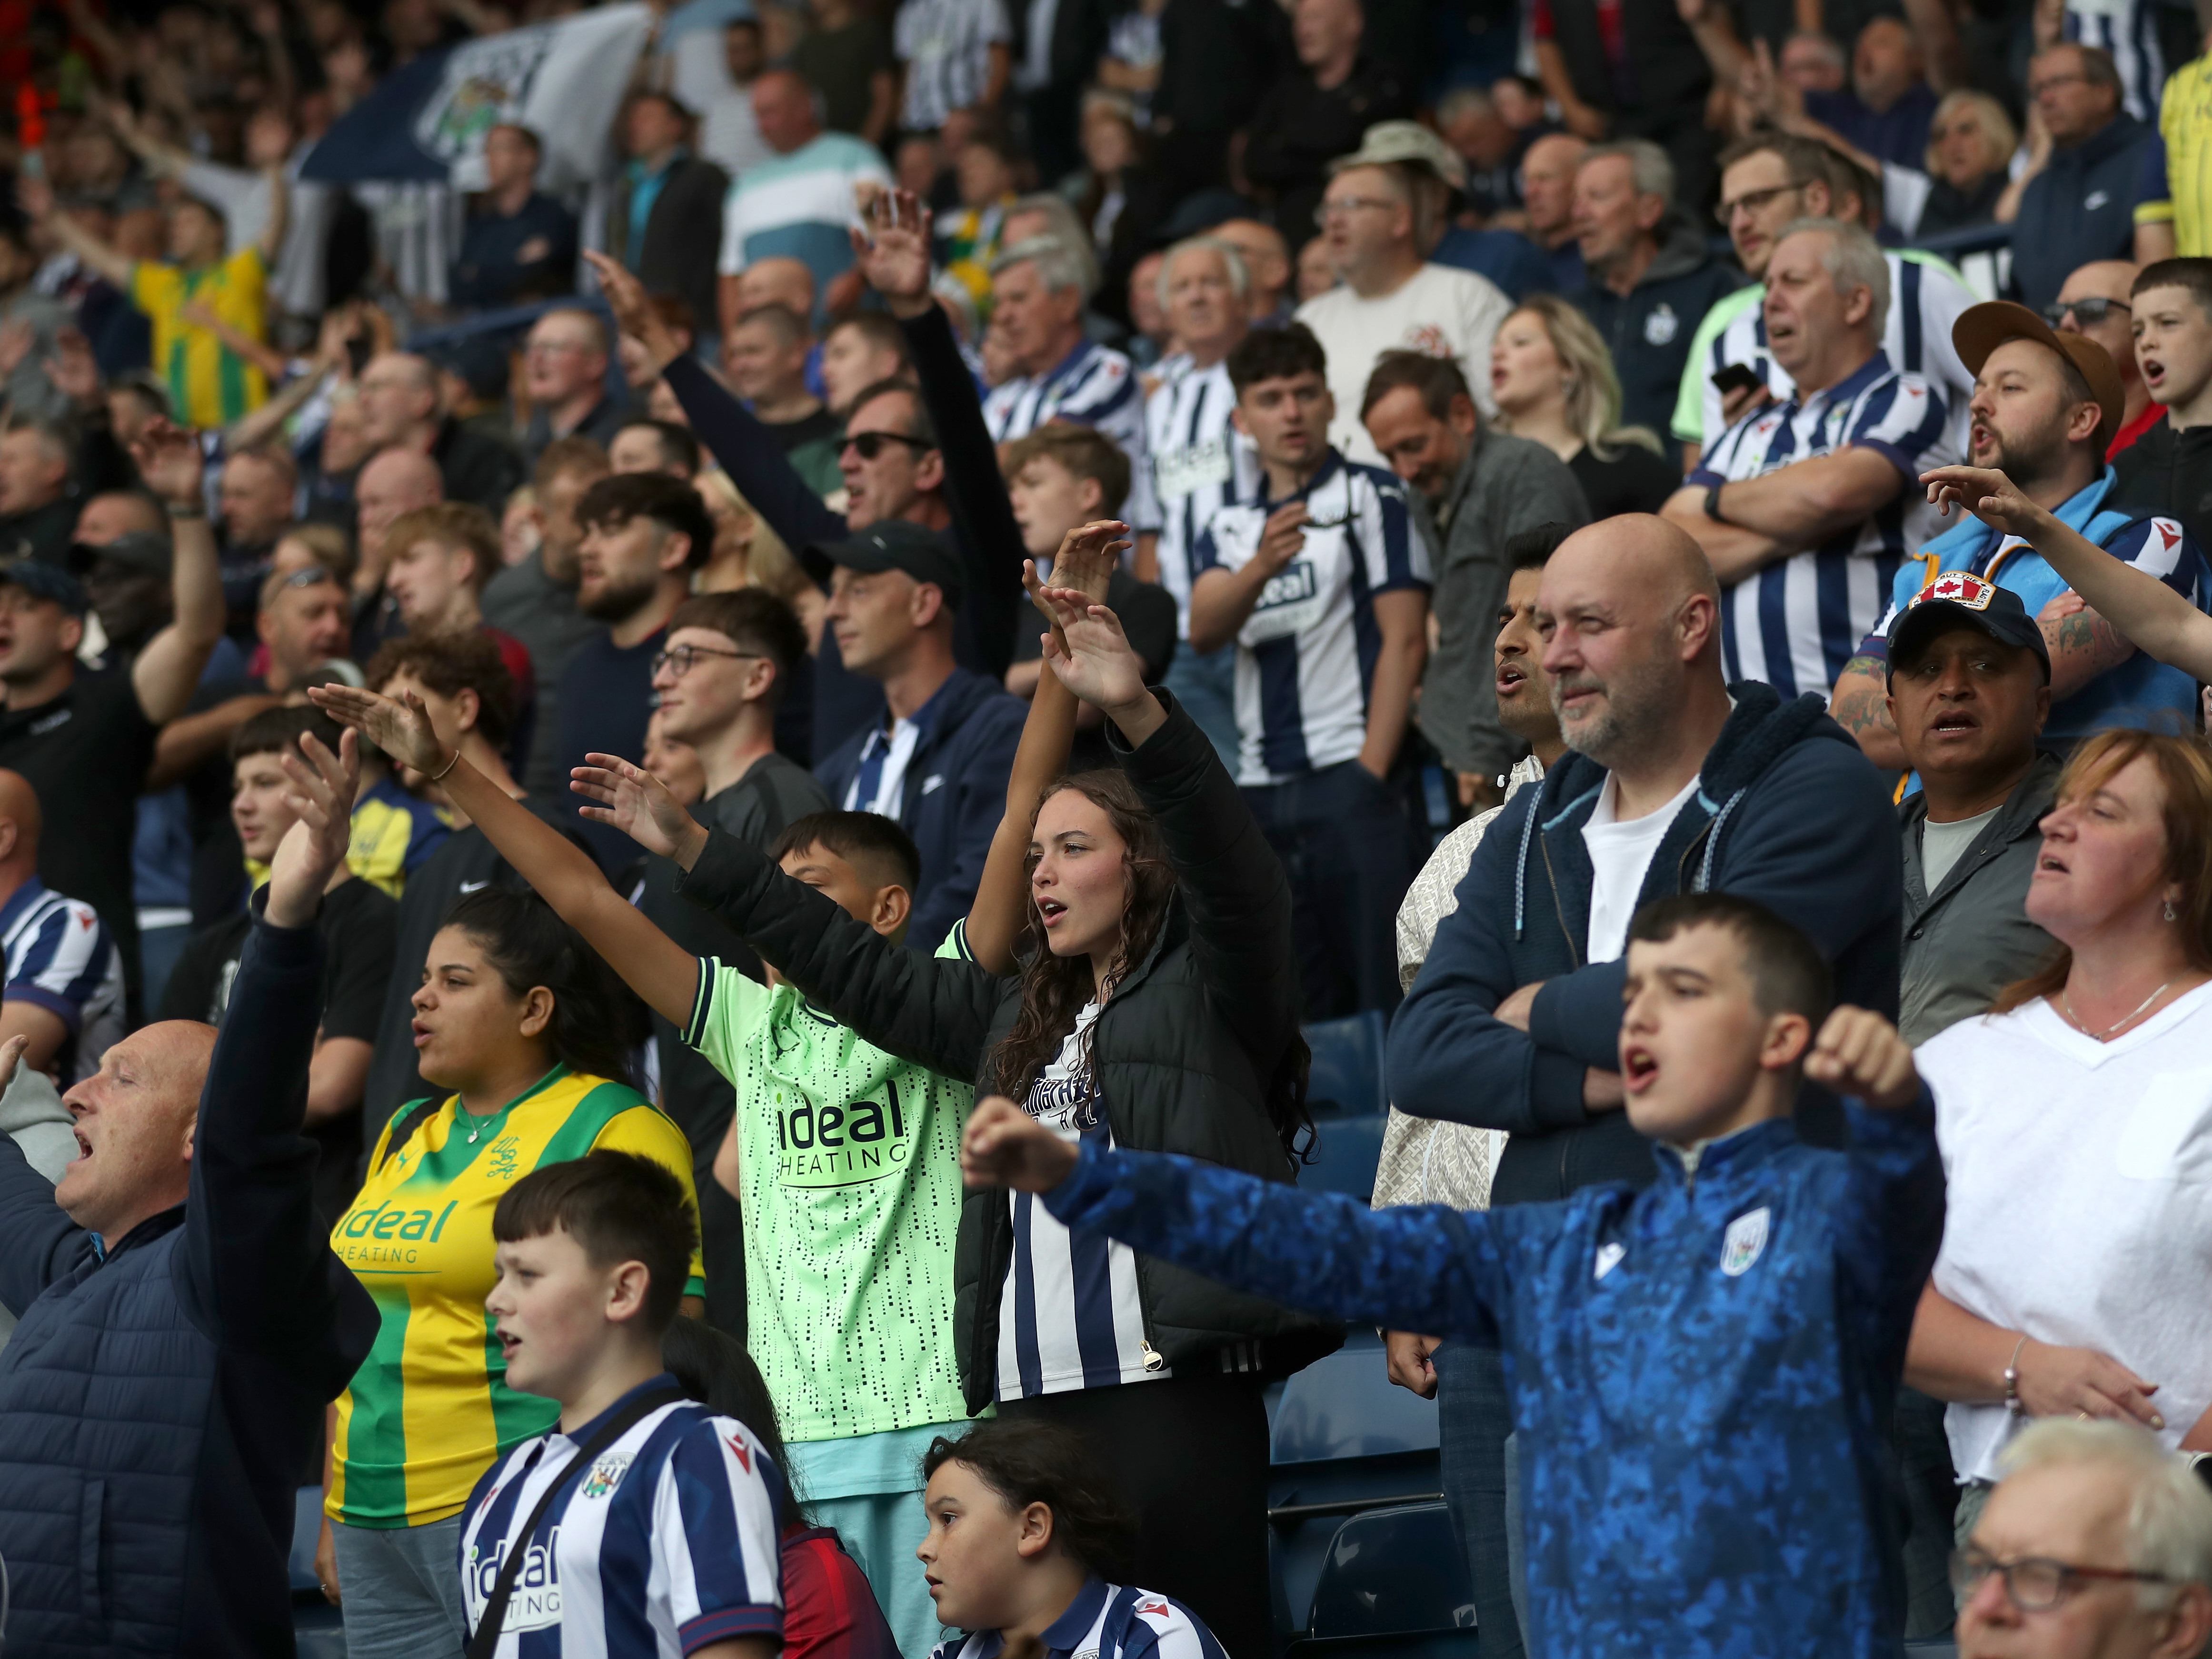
{"x": 1185, "y": 1050}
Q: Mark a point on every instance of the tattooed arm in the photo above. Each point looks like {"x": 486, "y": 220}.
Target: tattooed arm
{"x": 2083, "y": 645}
{"x": 1860, "y": 704}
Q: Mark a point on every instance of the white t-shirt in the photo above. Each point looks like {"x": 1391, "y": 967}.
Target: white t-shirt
{"x": 2080, "y": 1198}
{"x": 1439, "y": 311}
{"x": 1619, "y": 854}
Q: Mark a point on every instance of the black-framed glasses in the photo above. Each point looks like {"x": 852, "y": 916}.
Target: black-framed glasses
{"x": 1752, "y": 201}
{"x": 871, "y": 443}
{"x": 2089, "y": 312}
{"x": 684, "y": 656}
{"x": 313, "y": 575}
{"x": 2034, "y": 1583}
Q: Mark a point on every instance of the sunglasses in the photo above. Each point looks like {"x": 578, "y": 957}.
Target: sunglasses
{"x": 2087, "y": 312}
{"x": 871, "y": 443}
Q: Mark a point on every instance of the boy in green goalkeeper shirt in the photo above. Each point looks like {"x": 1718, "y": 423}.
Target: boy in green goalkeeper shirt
{"x": 845, "y": 1159}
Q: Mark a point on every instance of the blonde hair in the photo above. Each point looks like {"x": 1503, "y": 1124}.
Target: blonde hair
{"x": 769, "y": 562}
{"x": 1997, "y": 130}
{"x": 1593, "y": 388}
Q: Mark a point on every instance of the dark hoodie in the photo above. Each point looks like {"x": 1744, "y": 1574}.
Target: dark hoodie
{"x": 1787, "y": 812}
{"x": 2170, "y": 473}
{"x": 1649, "y": 328}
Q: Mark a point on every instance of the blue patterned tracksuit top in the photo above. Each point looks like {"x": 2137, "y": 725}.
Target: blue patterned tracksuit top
{"x": 1700, "y": 1372}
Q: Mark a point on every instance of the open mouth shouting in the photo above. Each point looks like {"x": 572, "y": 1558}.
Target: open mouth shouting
{"x": 1639, "y": 1068}
{"x": 1511, "y": 677}
{"x": 1050, "y": 911}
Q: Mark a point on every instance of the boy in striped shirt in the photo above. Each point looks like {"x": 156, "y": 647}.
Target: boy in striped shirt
{"x": 661, "y": 1533}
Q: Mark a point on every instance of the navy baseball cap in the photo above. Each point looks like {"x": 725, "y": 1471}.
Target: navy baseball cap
{"x": 135, "y": 549}
{"x": 47, "y": 581}
{"x": 893, "y": 544}
{"x": 1958, "y": 598}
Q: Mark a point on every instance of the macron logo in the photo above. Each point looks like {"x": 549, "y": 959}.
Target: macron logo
{"x": 742, "y": 1452}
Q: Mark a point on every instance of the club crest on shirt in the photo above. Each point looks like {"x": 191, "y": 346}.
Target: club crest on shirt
{"x": 606, "y": 1475}
{"x": 1661, "y": 325}
{"x": 1744, "y": 1239}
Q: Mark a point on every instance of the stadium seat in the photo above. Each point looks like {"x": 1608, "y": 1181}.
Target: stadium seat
{"x": 1343, "y": 1406}
{"x": 1393, "y": 1572}
{"x": 1346, "y": 1150}
{"x": 1347, "y": 1075}
{"x": 307, "y": 1528}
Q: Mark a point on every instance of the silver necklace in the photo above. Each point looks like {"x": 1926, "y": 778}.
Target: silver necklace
{"x": 2081, "y": 1025}
{"x": 478, "y": 1125}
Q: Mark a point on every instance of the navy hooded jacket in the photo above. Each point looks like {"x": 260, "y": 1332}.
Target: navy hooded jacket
{"x": 1701, "y": 1373}
{"x": 159, "y": 1405}
{"x": 1788, "y": 812}
{"x": 953, "y": 794}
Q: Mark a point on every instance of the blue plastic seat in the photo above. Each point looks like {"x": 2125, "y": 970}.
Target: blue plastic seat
{"x": 1347, "y": 1079}
{"x": 1343, "y": 1406}
{"x": 1346, "y": 1153}
{"x": 1392, "y": 1572}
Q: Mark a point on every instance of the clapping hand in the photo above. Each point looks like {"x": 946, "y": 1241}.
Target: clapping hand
{"x": 1004, "y": 1146}
{"x": 401, "y": 729}
{"x": 1858, "y": 1053}
{"x": 631, "y": 799}
{"x": 322, "y": 793}
{"x": 893, "y": 252}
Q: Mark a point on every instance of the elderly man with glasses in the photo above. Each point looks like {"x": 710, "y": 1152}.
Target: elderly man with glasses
{"x": 2096, "y": 1545}
{"x": 565, "y": 371}
{"x": 2094, "y": 303}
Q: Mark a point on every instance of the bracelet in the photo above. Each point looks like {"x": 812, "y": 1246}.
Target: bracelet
{"x": 187, "y": 509}
{"x": 1713, "y": 504}
{"x": 439, "y": 777}
{"x": 2012, "y": 1407}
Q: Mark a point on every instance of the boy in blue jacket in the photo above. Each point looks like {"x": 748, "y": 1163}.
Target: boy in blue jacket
{"x": 1700, "y": 1370}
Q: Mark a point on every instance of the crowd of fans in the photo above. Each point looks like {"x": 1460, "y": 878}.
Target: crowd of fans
{"x": 654, "y": 856}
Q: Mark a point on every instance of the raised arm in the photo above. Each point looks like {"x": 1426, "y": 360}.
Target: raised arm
{"x": 255, "y": 1265}
{"x": 168, "y": 670}
{"x": 2147, "y": 613}
{"x": 280, "y": 215}
{"x": 36, "y": 198}
{"x": 651, "y": 963}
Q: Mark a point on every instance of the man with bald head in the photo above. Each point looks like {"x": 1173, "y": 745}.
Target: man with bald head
{"x": 2096, "y": 301}
{"x": 399, "y": 410}
{"x": 565, "y": 369}
{"x": 796, "y": 204}
{"x": 392, "y": 482}
{"x": 64, "y": 994}
{"x": 182, "y": 1245}
{"x": 1673, "y": 781}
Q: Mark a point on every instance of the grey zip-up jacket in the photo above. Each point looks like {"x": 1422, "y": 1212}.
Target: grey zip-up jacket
{"x": 1971, "y": 938}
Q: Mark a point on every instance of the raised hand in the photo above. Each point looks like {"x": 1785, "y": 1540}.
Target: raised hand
{"x": 33, "y": 193}
{"x": 1858, "y": 1053}
{"x": 893, "y": 252}
{"x": 16, "y": 339}
{"x": 631, "y": 799}
{"x": 1987, "y": 494}
{"x": 401, "y": 730}
{"x": 634, "y": 312}
{"x": 1005, "y": 1147}
{"x": 322, "y": 793}
{"x": 169, "y": 460}
{"x": 1283, "y": 538}
{"x": 1089, "y": 555}
{"x": 1092, "y": 655}
{"x": 73, "y": 368}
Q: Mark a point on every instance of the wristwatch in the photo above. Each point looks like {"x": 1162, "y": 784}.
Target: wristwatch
{"x": 1713, "y": 504}
{"x": 195, "y": 508}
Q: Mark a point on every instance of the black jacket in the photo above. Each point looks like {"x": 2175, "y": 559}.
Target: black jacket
{"x": 159, "y": 1403}
{"x": 2169, "y": 472}
{"x": 476, "y": 467}
{"x": 682, "y": 246}
{"x": 1665, "y": 75}
{"x": 1649, "y": 328}
{"x": 1185, "y": 1051}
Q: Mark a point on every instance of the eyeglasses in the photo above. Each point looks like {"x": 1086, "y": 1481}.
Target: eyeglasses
{"x": 871, "y": 443}
{"x": 684, "y": 656}
{"x": 1344, "y": 206}
{"x": 1752, "y": 201}
{"x": 2034, "y": 1583}
{"x": 314, "y": 576}
{"x": 2051, "y": 82}
{"x": 2087, "y": 312}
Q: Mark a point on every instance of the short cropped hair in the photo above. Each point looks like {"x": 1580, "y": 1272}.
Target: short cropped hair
{"x": 574, "y": 454}
{"x": 1085, "y": 451}
{"x": 2193, "y": 275}
{"x": 278, "y": 732}
{"x": 868, "y": 841}
{"x": 1805, "y": 159}
{"x": 679, "y": 448}
{"x": 779, "y": 320}
{"x": 1532, "y": 549}
{"x": 880, "y": 331}
{"x": 1650, "y": 171}
{"x": 920, "y": 427}
{"x": 456, "y": 526}
{"x": 1853, "y": 259}
{"x": 618, "y": 1207}
{"x": 1274, "y": 353}
{"x": 450, "y": 664}
{"x": 1787, "y": 975}
{"x": 1437, "y": 379}
{"x": 2170, "y": 1516}
{"x": 754, "y": 619}
{"x": 1058, "y": 267}
{"x": 671, "y": 503}
{"x": 1027, "y": 1462}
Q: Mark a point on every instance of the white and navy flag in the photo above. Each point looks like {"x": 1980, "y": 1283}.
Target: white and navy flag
{"x": 426, "y": 121}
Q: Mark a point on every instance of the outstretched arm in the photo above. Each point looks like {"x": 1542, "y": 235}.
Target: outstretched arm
{"x": 650, "y": 963}
{"x": 168, "y": 670}
{"x": 36, "y": 198}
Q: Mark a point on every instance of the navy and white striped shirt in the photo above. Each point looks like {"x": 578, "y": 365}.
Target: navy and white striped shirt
{"x": 1196, "y": 463}
{"x": 61, "y": 958}
{"x": 1797, "y": 623}
{"x": 1107, "y": 1621}
{"x": 669, "y": 1541}
{"x": 1305, "y": 657}
{"x": 2128, "y": 29}
{"x": 1092, "y": 385}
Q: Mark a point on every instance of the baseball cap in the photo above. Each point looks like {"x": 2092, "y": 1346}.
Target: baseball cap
{"x": 47, "y": 581}
{"x": 894, "y": 544}
{"x": 136, "y": 550}
{"x": 1982, "y": 329}
{"x": 1958, "y": 596}
{"x": 1390, "y": 143}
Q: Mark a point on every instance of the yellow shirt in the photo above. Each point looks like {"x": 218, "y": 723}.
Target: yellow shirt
{"x": 2184, "y": 121}
{"x": 429, "y": 1409}
{"x": 209, "y": 382}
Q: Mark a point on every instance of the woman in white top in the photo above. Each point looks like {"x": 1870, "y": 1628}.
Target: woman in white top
{"x": 2075, "y": 1121}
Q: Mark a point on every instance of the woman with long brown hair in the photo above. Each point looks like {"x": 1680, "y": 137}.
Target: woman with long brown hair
{"x": 1156, "y": 1004}
{"x": 2075, "y": 1121}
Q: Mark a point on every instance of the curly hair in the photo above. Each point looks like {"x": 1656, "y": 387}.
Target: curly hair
{"x": 598, "y": 1023}
{"x": 1026, "y": 1461}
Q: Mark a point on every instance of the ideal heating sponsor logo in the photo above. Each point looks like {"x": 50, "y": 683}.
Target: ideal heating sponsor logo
{"x": 389, "y": 1236}
{"x": 535, "y": 1602}
{"x": 1294, "y": 584}
{"x": 821, "y": 1144}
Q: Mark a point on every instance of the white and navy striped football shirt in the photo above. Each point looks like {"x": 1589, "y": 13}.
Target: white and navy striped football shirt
{"x": 1798, "y": 621}
{"x": 1305, "y": 657}
{"x": 1196, "y": 463}
{"x": 668, "y": 1541}
{"x": 2128, "y": 29}
{"x": 1092, "y": 385}
{"x": 1069, "y": 1316}
{"x": 61, "y": 958}
{"x": 1107, "y": 1621}
{"x": 1925, "y": 298}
